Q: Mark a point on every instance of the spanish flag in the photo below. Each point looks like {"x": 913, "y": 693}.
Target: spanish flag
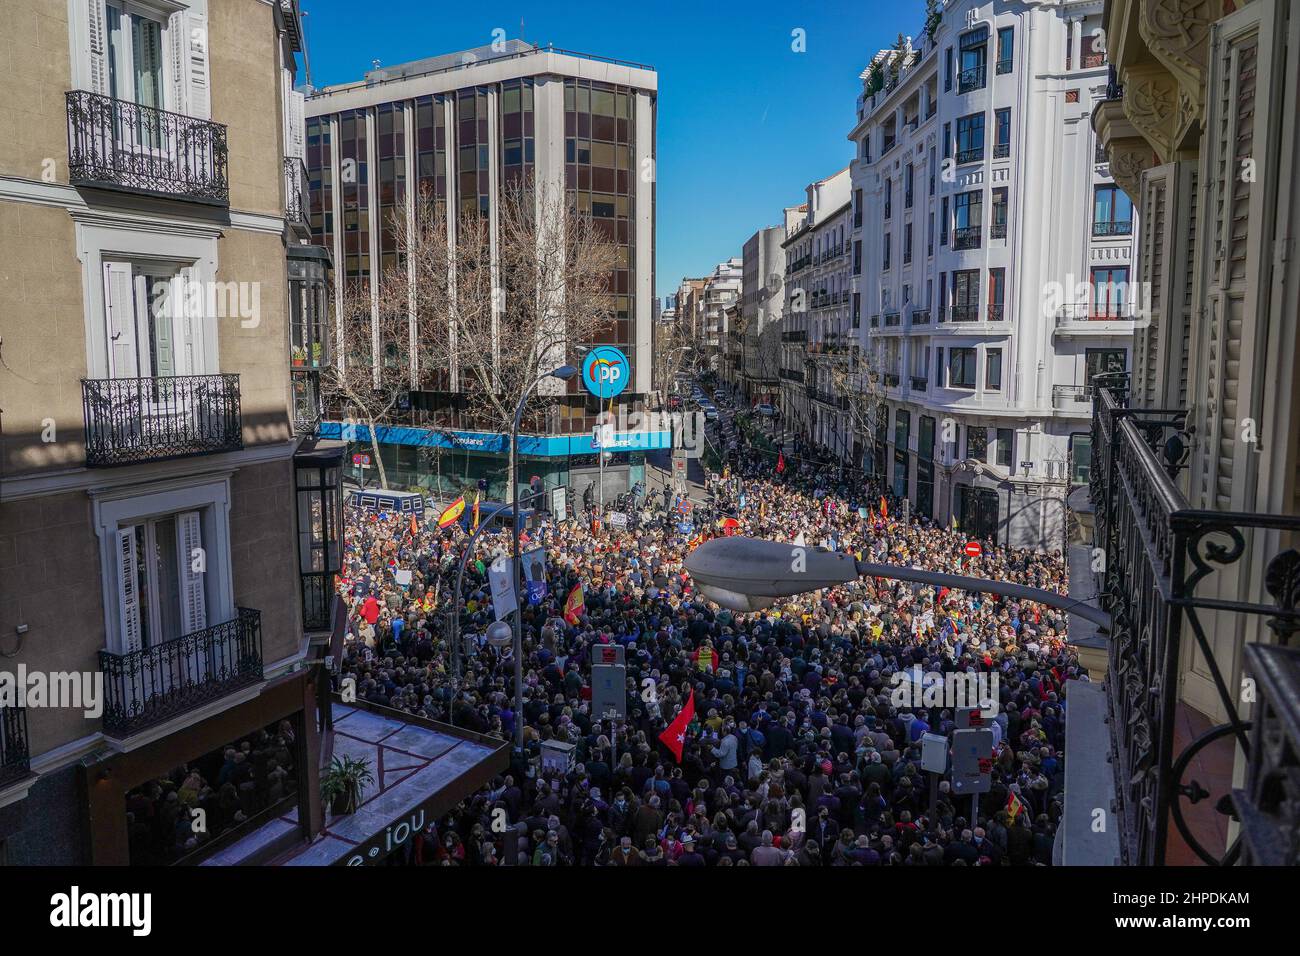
{"x": 729, "y": 526}
{"x": 476, "y": 498}
{"x": 574, "y": 606}
{"x": 454, "y": 511}
{"x": 1014, "y": 806}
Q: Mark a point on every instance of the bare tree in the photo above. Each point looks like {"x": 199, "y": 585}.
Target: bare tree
{"x": 857, "y": 382}
{"x": 488, "y": 325}
{"x": 677, "y": 350}
{"x": 372, "y": 370}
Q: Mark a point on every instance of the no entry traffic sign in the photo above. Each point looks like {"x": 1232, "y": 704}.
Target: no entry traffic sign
{"x": 973, "y": 549}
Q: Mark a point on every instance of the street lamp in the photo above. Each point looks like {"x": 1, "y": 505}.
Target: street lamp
{"x": 749, "y": 574}
{"x": 564, "y": 373}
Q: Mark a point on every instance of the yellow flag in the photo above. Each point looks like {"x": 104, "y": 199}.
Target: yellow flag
{"x": 476, "y": 498}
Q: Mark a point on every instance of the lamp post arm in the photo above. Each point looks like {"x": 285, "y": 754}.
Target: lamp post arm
{"x": 962, "y": 582}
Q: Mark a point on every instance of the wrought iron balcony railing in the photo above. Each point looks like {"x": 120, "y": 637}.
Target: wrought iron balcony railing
{"x": 920, "y": 383}
{"x": 1001, "y": 150}
{"x": 893, "y": 318}
{"x": 967, "y": 237}
{"x": 296, "y": 201}
{"x": 965, "y": 313}
{"x": 997, "y": 312}
{"x": 132, "y": 420}
{"x": 1160, "y": 556}
{"x": 15, "y": 759}
{"x": 1120, "y": 227}
{"x": 117, "y": 144}
{"x": 970, "y": 155}
{"x": 1072, "y": 398}
{"x": 143, "y": 688}
{"x": 1004, "y": 66}
{"x": 920, "y": 316}
{"x": 998, "y": 230}
{"x": 972, "y": 79}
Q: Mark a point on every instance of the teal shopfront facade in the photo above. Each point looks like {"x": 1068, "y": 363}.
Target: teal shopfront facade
{"x": 443, "y": 464}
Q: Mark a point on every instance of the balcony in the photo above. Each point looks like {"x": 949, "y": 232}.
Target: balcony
{"x": 920, "y": 316}
{"x": 967, "y": 237}
{"x": 970, "y": 155}
{"x": 920, "y": 383}
{"x": 1168, "y": 567}
{"x": 998, "y": 230}
{"x": 116, "y": 144}
{"x": 875, "y": 322}
{"x": 1122, "y": 227}
{"x": 134, "y": 420}
{"x": 997, "y": 313}
{"x": 146, "y": 687}
{"x": 1084, "y": 319}
{"x": 893, "y": 319}
{"x": 1003, "y": 66}
{"x": 1001, "y": 150}
{"x": 891, "y": 380}
{"x": 15, "y": 759}
{"x": 296, "y": 201}
{"x": 972, "y": 79}
{"x": 965, "y": 313}
{"x": 1072, "y": 399}
{"x": 1093, "y": 60}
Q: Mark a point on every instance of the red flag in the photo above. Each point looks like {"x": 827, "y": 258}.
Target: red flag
{"x": 780, "y": 463}
{"x": 884, "y": 507}
{"x": 415, "y": 528}
{"x": 674, "y": 738}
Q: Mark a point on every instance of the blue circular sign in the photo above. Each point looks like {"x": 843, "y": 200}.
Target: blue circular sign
{"x": 606, "y": 371}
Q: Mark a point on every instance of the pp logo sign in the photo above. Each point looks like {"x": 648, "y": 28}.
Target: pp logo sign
{"x": 606, "y": 371}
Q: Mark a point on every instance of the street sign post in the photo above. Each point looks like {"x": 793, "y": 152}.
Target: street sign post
{"x": 609, "y": 690}
{"x": 972, "y": 765}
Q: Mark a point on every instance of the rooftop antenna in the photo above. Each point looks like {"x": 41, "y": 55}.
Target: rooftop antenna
{"x": 521, "y": 30}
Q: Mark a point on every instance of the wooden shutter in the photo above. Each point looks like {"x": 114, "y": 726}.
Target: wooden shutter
{"x": 120, "y": 319}
{"x": 128, "y": 597}
{"x": 178, "y": 62}
{"x": 97, "y": 45}
{"x": 194, "y": 615}
{"x": 297, "y": 107}
{"x": 200, "y": 90}
{"x": 189, "y": 321}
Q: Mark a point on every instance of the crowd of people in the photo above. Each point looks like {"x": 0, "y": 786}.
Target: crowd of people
{"x": 796, "y": 754}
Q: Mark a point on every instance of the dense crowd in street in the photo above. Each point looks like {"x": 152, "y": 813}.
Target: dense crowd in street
{"x": 796, "y": 754}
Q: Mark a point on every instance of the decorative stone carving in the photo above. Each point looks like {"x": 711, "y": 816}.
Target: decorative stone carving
{"x": 1151, "y": 104}
{"x": 1128, "y": 158}
{"x": 1177, "y": 32}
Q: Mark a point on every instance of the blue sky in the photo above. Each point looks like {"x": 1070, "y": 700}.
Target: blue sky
{"x": 745, "y": 123}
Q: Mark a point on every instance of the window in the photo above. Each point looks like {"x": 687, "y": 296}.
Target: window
{"x": 947, "y": 140}
{"x": 1112, "y": 212}
{"x": 977, "y": 442}
{"x": 997, "y": 289}
{"x": 970, "y": 138}
{"x": 135, "y": 57}
{"x": 943, "y": 223}
{"x": 1093, "y": 55}
{"x": 902, "y": 435}
{"x": 929, "y": 237}
{"x": 993, "y": 369}
{"x": 907, "y": 243}
{"x": 1006, "y": 41}
{"x": 998, "y": 228}
{"x": 1006, "y": 436}
{"x": 1080, "y": 458}
{"x": 965, "y": 296}
{"x": 857, "y": 257}
{"x": 1002, "y": 145}
{"x": 889, "y": 197}
{"x": 947, "y": 69}
{"x": 161, "y": 584}
{"x": 974, "y": 55}
{"x": 961, "y": 367}
{"x": 153, "y": 330}
{"x": 933, "y": 169}
{"x": 857, "y": 208}
{"x": 968, "y": 219}
{"x": 886, "y": 259}
{"x": 907, "y": 186}
{"x": 943, "y": 295}
{"x": 1100, "y": 361}
{"x": 1109, "y": 291}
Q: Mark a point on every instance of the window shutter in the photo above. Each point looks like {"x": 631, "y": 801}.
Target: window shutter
{"x": 178, "y": 65}
{"x": 128, "y": 599}
{"x": 119, "y": 308}
{"x": 194, "y": 615}
{"x": 297, "y": 109}
{"x": 189, "y": 306}
{"x": 97, "y": 45}
{"x": 200, "y": 92}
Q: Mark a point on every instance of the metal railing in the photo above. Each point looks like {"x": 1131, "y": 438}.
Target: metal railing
{"x": 965, "y": 313}
{"x": 893, "y": 318}
{"x": 1160, "y": 552}
{"x": 117, "y": 144}
{"x": 997, "y": 312}
{"x": 130, "y": 420}
{"x": 1001, "y": 150}
{"x": 998, "y": 230}
{"x": 920, "y": 316}
{"x": 970, "y": 155}
{"x": 15, "y": 758}
{"x": 972, "y": 79}
{"x": 296, "y": 200}
{"x": 1069, "y": 397}
{"x": 920, "y": 383}
{"x": 1118, "y": 227}
{"x": 146, "y": 687}
{"x": 967, "y": 237}
{"x": 1004, "y": 66}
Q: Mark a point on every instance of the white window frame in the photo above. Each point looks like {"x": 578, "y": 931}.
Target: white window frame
{"x": 102, "y": 239}
{"x": 118, "y": 508}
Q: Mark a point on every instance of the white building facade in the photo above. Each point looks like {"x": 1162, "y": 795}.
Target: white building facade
{"x": 992, "y": 255}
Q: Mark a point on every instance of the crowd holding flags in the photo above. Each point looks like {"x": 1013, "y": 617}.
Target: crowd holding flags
{"x": 674, "y": 738}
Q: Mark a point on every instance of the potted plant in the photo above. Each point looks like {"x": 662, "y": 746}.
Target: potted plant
{"x": 343, "y": 784}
